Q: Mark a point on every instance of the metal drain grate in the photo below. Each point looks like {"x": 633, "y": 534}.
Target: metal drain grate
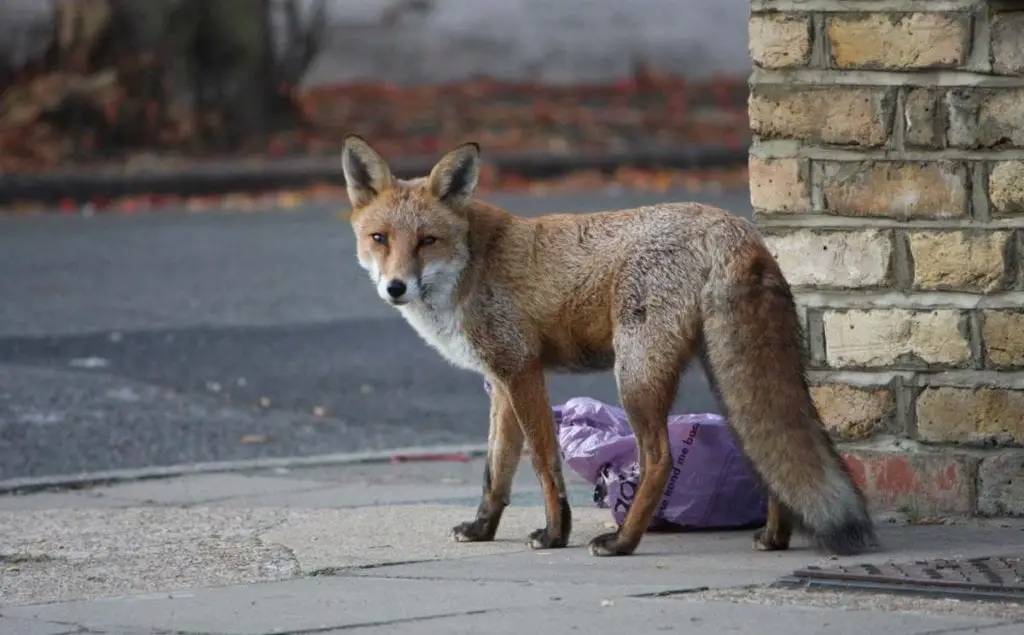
{"x": 999, "y": 578}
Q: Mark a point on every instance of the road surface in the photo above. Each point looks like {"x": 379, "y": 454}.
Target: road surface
{"x": 156, "y": 340}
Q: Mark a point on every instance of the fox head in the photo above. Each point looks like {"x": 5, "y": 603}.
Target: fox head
{"x": 411, "y": 236}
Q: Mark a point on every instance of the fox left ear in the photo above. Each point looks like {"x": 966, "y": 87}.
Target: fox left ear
{"x": 454, "y": 178}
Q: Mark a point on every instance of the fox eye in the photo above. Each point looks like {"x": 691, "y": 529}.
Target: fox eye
{"x": 427, "y": 240}
{"x": 379, "y": 238}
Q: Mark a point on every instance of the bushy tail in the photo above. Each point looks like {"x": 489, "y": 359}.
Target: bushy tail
{"x": 753, "y": 355}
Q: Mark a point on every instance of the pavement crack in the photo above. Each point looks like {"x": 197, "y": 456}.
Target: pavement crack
{"x": 671, "y": 592}
{"x": 379, "y": 623}
{"x": 76, "y": 628}
{"x": 235, "y": 498}
{"x": 341, "y": 571}
{"x": 969, "y": 629}
{"x": 691, "y": 590}
{"x": 14, "y": 558}
{"x": 161, "y": 631}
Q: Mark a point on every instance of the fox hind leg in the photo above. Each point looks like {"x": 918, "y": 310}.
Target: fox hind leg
{"x": 647, "y": 377}
{"x": 778, "y": 530}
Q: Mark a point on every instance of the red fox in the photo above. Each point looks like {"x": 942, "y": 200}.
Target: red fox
{"x": 640, "y": 292}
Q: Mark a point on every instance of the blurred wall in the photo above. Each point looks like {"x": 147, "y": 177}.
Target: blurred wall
{"x": 24, "y": 28}
{"x": 413, "y": 41}
{"x": 564, "y": 41}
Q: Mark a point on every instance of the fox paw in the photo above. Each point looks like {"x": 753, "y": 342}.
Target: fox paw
{"x": 765, "y": 540}
{"x": 542, "y": 539}
{"x": 473, "y": 531}
{"x": 608, "y": 545}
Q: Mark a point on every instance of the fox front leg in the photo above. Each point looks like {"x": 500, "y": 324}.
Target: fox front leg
{"x": 504, "y": 447}
{"x": 528, "y": 396}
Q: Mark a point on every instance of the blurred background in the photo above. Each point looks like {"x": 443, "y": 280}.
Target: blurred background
{"x": 136, "y": 331}
{"x": 138, "y": 85}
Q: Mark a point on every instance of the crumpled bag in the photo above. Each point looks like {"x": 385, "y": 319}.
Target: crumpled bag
{"x": 711, "y": 486}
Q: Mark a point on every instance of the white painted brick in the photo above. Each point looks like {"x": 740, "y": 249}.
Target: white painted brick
{"x": 892, "y": 337}
{"x": 833, "y": 259}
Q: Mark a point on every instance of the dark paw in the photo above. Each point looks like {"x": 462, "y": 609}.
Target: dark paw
{"x": 767, "y": 541}
{"x": 541, "y": 539}
{"x": 473, "y": 531}
{"x": 608, "y": 545}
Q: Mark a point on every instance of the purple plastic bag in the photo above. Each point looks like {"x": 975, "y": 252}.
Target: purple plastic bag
{"x": 711, "y": 485}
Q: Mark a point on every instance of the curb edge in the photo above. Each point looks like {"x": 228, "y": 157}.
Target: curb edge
{"x": 62, "y": 482}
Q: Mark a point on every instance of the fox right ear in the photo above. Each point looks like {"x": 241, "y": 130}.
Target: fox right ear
{"x": 366, "y": 172}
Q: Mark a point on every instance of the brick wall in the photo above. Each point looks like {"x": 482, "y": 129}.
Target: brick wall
{"x": 888, "y": 172}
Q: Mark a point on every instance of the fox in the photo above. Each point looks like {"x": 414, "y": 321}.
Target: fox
{"x": 639, "y": 292}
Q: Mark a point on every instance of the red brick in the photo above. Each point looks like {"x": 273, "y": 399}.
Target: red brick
{"x": 926, "y": 485}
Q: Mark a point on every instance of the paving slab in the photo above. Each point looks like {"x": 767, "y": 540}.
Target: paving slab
{"x": 18, "y": 626}
{"x": 308, "y": 604}
{"x": 58, "y": 500}
{"x": 344, "y": 496}
{"x": 713, "y": 559}
{"x": 784, "y": 598}
{"x": 437, "y": 472}
{"x": 410, "y": 489}
{"x": 730, "y": 562}
{"x": 61, "y": 554}
{"x": 1013, "y": 628}
{"x": 372, "y": 536}
{"x": 328, "y": 487}
{"x": 411, "y": 606}
{"x": 199, "y": 489}
{"x": 631, "y": 615}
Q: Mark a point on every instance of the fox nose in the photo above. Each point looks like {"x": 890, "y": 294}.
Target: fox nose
{"x": 396, "y": 289}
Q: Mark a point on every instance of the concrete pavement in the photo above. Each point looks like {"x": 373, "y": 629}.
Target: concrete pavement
{"x": 363, "y": 548}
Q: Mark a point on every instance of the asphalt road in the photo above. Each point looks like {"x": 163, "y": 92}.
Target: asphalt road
{"x": 137, "y": 341}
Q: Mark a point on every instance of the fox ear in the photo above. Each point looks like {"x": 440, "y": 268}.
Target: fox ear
{"x": 366, "y": 172}
{"x": 454, "y": 178}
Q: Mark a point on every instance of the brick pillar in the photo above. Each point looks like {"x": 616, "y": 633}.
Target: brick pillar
{"x": 887, "y": 170}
